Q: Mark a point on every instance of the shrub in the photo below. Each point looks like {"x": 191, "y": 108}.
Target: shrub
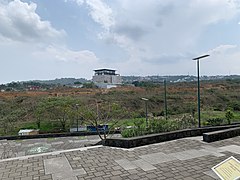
{"x": 137, "y": 130}
{"x": 229, "y": 115}
{"x": 158, "y": 113}
{"x": 155, "y": 126}
{"x": 187, "y": 121}
{"x": 235, "y": 106}
{"x": 128, "y": 133}
{"x": 215, "y": 121}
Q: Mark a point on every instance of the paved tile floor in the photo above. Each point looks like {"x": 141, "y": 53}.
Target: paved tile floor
{"x": 188, "y": 158}
{"x": 17, "y": 148}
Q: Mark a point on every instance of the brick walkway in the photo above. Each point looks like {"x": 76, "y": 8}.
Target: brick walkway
{"x": 17, "y": 148}
{"x": 188, "y": 158}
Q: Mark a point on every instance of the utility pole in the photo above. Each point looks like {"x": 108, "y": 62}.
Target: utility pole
{"x": 199, "y": 109}
{"x": 165, "y": 98}
{"x": 77, "y": 105}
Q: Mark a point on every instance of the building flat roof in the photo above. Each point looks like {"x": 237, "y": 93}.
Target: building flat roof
{"x": 104, "y": 70}
{"x": 27, "y": 130}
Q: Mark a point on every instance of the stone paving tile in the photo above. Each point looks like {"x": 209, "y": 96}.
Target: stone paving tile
{"x": 17, "y": 148}
{"x": 188, "y": 158}
{"x": 144, "y": 165}
{"x": 213, "y": 150}
{"x": 126, "y": 164}
{"x": 211, "y": 174}
{"x": 231, "y": 148}
{"x": 189, "y": 154}
{"x": 156, "y": 158}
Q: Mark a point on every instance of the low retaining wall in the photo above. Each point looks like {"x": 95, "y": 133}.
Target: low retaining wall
{"x": 53, "y": 135}
{"x": 220, "y": 135}
{"x": 161, "y": 137}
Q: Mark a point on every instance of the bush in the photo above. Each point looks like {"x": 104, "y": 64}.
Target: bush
{"x": 215, "y": 121}
{"x": 138, "y": 129}
{"x": 187, "y": 121}
{"x": 162, "y": 125}
{"x": 158, "y": 113}
{"x": 155, "y": 126}
{"x": 126, "y": 133}
{"x": 229, "y": 115}
{"x": 218, "y": 107}
{"x": 235, "y": 106}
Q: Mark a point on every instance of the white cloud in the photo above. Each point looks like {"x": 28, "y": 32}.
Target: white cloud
{"x": 39, "y": 49}
{"x": 64, "y": 54}
{"x": 148, "y": 28}
{"x": 158, "y": 28}
{"x": 101, "y": 13}
{"x": 20, "y": 22}
{"x": 67, "y": 55}
{"x": 223, "y": 59}
{"x": 136, "y": 37}
{"x": 222, "y": 49}
{"x": 78, "y": 2}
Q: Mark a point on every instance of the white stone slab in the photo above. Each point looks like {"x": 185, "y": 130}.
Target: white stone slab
{"x": 61, "y": 169}
{"x": 212, "y": 149}
{"x": 143, "y": 165}
{"x": 157, "y": 158}
{"x": 212, "y": 152}
{"x": 189, "y": 154}
{"x": 56, "y": 165}
{"x": 211, "y": 174}
{"x": 232, "y": 148}
{"x": 63, "y": 176}
{"x": 126, "y": 164}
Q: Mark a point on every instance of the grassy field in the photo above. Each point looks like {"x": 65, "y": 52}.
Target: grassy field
{"x": 23, "y": 109}
{"x": 54, "y": 126}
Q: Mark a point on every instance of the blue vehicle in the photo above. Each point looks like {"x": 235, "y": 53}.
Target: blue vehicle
{"x": 101, "y": 128}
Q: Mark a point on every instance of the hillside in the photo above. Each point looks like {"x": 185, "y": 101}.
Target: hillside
{"x": 63, "y": 81}
{"x": 26, "y": 108}
{"x": 177, "y": 78}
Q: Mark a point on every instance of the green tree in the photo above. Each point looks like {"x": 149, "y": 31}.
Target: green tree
{"x": 11, "y": 113}
{"x": 102, "y": 112}
{"x": 39, "y": 113}
{"x": 229, "y": 116}
{"x": 59, "y": 109}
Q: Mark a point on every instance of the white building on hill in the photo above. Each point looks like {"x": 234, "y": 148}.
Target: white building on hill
{"x": 106, "y": 78}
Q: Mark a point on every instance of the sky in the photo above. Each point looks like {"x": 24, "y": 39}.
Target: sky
{"x": 48, "y": 39}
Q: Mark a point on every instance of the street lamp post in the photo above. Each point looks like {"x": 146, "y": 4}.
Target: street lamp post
{"x": 165, "y": 98}
{"x": 146, "y": 107}
{"x": 197, "y": 59}
{"x": 77, "y": 105}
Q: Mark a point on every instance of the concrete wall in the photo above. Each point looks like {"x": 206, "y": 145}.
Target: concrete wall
{"x": 161, "y": 137}
{"x": 104, "y": 85}
{"x": 108, "y": 79}
{"x": 222, "y": 134}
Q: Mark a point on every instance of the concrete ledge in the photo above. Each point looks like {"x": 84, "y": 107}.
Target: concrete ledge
{"x": 222, "y": 134}
{"x": 161, "y": 137}
{"x": 53, "y": 135}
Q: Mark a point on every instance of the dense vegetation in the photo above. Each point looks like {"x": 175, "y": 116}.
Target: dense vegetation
{"x": 58, "y": 109}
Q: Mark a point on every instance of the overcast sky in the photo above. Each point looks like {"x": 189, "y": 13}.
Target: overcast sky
{"x": 48, "y": 39}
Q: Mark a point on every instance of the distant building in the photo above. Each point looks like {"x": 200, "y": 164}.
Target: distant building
{"x": 23, "y": 132}
{"x": 106, "y": 78}
{"x": 33, "y": 88}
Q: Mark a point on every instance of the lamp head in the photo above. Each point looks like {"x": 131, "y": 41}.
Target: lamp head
{"x": 200, "y": 57}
